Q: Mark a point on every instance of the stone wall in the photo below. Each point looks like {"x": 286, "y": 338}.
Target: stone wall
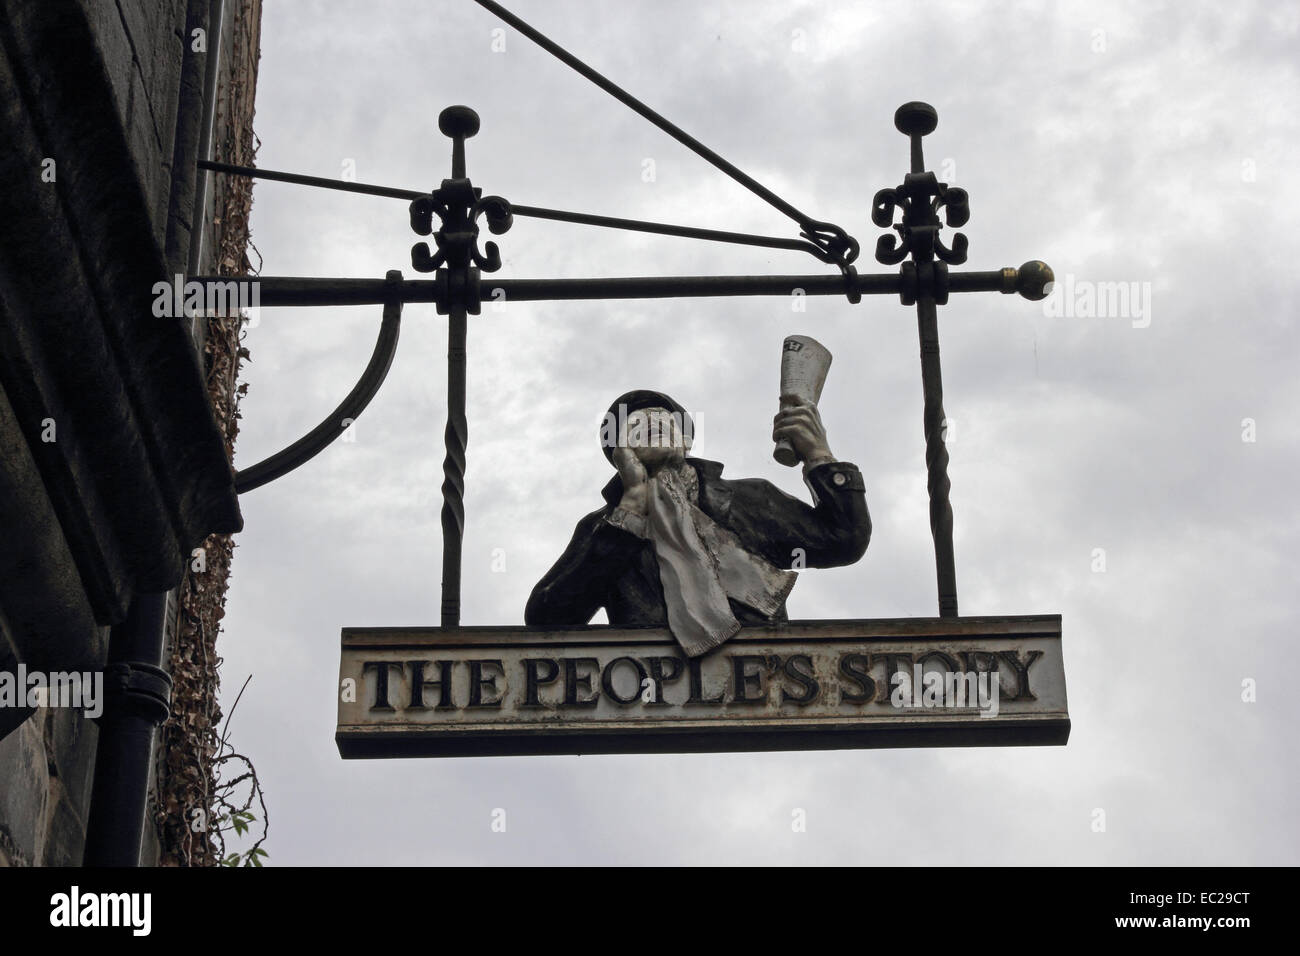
{"x": 185, "y": 776}
{"x": 108, "y": 108}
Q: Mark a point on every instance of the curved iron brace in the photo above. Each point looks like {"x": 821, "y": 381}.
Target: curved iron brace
{"x": 316, "y": 440}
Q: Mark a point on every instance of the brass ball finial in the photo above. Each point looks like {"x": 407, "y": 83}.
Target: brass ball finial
{"x": 1034, "y": 280}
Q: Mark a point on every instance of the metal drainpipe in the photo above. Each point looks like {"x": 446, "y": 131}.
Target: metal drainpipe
{"x": 198, "y": 231}
{"x": 137, "y": 688}
{"x": 136, "y": 695}
{"x": 216, "y": 15}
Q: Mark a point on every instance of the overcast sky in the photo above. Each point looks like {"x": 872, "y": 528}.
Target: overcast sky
{"x": 1145, "y": 143}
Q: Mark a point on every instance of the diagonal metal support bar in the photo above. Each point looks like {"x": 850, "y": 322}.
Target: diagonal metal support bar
{"x": 535, "y": 212}
{"x": 320, "y": 182}
{"x": 666, "y": 229}
{"x": 835, "y": 241}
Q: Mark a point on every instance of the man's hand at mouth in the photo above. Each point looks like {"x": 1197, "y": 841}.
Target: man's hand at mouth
{"x": 636, "y": 497}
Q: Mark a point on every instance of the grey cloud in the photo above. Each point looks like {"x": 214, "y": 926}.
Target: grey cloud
{"x": 1071, "y": 433}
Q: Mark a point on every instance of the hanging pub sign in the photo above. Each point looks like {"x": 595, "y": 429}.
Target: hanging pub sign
{"x": 802, "y": 685}
{"x": 693, "y": 569}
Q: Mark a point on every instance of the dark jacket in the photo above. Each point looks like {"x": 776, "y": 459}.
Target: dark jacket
{"x": 606, "y": 566}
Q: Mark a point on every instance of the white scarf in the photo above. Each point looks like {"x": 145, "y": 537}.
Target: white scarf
{"x": 702, "y": 564}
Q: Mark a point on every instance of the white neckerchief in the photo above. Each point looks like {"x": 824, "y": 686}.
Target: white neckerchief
{"x": 702, "y": 564}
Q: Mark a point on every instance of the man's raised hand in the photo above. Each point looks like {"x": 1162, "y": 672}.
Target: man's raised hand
{"x": 801, "y": 426}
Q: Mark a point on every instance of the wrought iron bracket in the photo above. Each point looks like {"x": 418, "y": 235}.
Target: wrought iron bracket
{"x": 829, "y": 243}
{"x": 316, "y": 440}
{"x": 457, "y": 205}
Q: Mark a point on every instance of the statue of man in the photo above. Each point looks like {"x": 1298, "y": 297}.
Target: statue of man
{"x": 678, "y": 545}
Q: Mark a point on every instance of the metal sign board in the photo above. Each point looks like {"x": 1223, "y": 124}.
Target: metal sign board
{"x": 801, "y": 685}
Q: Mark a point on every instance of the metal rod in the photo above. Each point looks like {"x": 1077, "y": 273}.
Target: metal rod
{"x": 320, "y": 181}
{"x": 311, "y": 292}
{"x": 919, "y": 230}
{"x": 999, "y": 280}
{"x": 455, "y": 438}
{"x": 667, "y": 287}
{"x": 627, "y": 99}
{"x": 936, "y": 455}
{"x": 458, "y": 157}
{"x": 532, "y": 212}
{"x": 666, "y": 229}
{"x": 276, "y": 291}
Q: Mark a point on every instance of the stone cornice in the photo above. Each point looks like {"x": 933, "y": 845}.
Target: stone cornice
{"x": 137, "y": 474}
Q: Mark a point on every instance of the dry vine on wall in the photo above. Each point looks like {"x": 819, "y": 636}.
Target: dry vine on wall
{"x": 204, "y": 789}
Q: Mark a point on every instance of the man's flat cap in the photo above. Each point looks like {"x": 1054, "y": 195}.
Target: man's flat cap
{"x": 614, "y": 424}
